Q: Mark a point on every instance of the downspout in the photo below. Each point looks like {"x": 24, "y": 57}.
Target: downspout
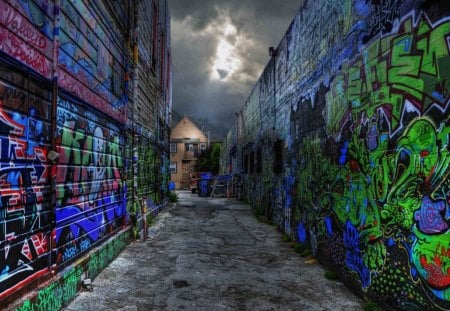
{"x": 274, "y": 55}
{"x": 53, "y": 154}
{"x": 135, "y": 57}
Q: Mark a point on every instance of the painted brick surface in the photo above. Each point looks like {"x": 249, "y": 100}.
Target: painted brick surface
{"x": 66, "y": 87}
{"x": 24, "y": 184}
{"x": 351, "y": 117}
{"x": 65, "y": 286}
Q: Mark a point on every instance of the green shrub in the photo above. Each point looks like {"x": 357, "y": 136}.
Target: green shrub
{"x": 149, "y": 218}
{"x": 286, "y": 237}
{"x": 305, "y": 253}
{"x": 299, "y": 248}
{"x": 292, "y": 244}
{"x": 371, "y": 306}
{"x": 331, "y": 275}
{"x": 173, "y": 197}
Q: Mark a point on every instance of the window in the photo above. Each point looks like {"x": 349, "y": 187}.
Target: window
{"x": 202, "y": 146}
{"x": 278, "y": 156}
{"x": 173, "y": 148}
{"x": 252, "y": 163}
{"x": 189, "y": 147}
{"x": 173, "y": 167}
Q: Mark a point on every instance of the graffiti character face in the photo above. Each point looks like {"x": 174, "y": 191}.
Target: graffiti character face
{"x": 416, "y": 204}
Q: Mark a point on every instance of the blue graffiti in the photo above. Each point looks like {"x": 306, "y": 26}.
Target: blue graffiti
{"x": 70, "y": 252}
{"x": 90, "y": 222}
{"x": 328, "y": 225}
{"x": 344, "y": 151}
{"x": 37, "y": 16}
{"x": 301, "y": 233}
{"x": 33, "y": 129}
{"x": 85, "y": 244}
{"x": 391, "y": 242}
{"x": 23, "y": 211}
{"x": 353, "y": 255}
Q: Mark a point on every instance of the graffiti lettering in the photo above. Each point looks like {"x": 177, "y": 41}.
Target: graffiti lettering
{"x": 23, "y": 209}
{"x": 19, "y": 49}
{"x": 56, "y": 295}
{"x": 366, "y": 146}
{"x": 89, "y": 190}
{"x": 17, "y": 24}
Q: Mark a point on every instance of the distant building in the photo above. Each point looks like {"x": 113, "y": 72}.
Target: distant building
{"x": 187, "y": 141}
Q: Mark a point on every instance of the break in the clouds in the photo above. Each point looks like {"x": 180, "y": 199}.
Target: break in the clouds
{"x": 219, "y": 49}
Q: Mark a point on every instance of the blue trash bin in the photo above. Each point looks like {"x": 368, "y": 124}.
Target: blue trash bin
{"x": 204, "y": 185}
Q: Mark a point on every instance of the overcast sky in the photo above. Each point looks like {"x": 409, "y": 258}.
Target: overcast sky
{"x": 219, "y": 49}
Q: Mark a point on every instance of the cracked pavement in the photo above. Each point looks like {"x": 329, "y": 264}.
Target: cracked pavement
{"x": 212, "y": 254}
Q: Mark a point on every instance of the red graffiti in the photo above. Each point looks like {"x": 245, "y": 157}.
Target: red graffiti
{"x": 436, "y": 274}
{"x": 17, "y": 48}
{"x": 21, "y": 27}
{"x": 354, "y": 166}
{"x": 16, "y": 128}
{"x": 40, "y": 243}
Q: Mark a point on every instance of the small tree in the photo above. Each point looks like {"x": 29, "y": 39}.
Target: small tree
{"x": 209, "y": 160}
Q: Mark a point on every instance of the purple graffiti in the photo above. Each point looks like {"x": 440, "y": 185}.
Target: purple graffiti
{"x": 429, "y": 216}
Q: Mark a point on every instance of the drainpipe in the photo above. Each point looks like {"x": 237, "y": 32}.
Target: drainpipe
{"x": 273, "y": 54}
{"x": 134, "y": 43}
{"x": 53, "y": 155}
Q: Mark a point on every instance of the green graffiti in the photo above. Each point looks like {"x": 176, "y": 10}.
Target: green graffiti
{"x": 114, "y": 159}
{"x": 410, "y": 66}
{"x": 98, "y": 260}
{"x": 49, "y": 298}
{"x": 71, "y": 281}
{"x": 72, "y": 140}
{"x": 57, "y": 294}
{"x": 391, "y": 178}
{"x": 94, "y": 267}
{"x": 430, "y": 254}
{"x": 149, "y": 176}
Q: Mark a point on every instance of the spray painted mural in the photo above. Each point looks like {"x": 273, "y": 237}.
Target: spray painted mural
{"x": 25, "y": 211}
{"x": 27, "y": 39}
{"x": 66, "y": 111}
{"x": 357, "y": 92}
{"x": 91, "y": 203}
{"x": 92, "y": 55}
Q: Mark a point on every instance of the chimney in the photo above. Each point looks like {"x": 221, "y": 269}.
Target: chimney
{"x": 272, "y": 51}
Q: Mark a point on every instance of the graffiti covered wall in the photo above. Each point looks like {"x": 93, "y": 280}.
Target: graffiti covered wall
{"x": 69, "y": 282}
{"x": 65, "y": 90}
{"x": 92, "y": 54}
{"x": 90, "y": 197}
{"x": 351, "y": 121}
{"x": 25, "y": 208}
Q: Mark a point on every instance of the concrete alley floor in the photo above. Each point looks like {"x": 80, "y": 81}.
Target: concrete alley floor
{"x": 211, "y": 254}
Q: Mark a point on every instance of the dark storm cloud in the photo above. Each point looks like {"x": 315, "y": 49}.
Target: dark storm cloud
{"x": 197, "y": 28}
